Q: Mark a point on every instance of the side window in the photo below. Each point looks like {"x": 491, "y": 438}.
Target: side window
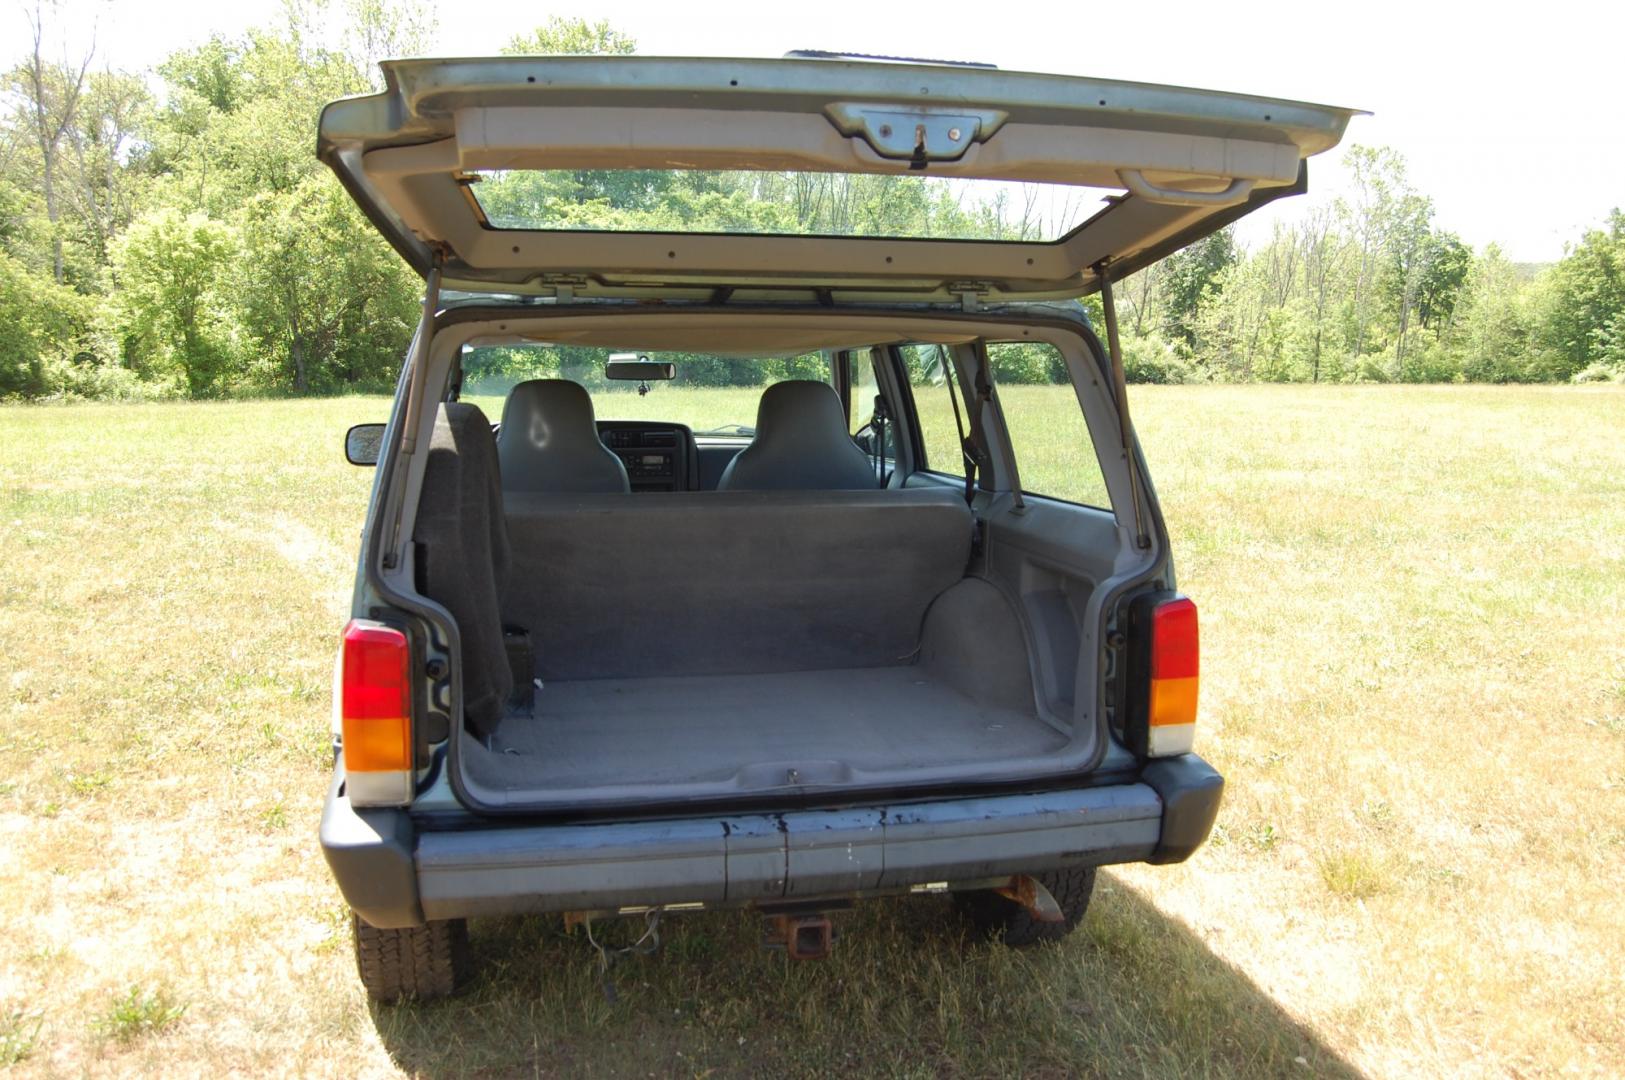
{"x": 929, "y": 369}
{"x": 863, "y": 389}
{"x": 1047, "y": 428}
{"x": 877, "y": 439}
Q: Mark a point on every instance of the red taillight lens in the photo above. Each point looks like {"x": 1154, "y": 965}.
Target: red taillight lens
{"x": 376, "y": 705}
{"x": 1175, "y": 669}
{"x": 1176, "y": 650}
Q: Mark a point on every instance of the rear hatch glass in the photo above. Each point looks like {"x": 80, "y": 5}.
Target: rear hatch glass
{"x": 782, "y": 203}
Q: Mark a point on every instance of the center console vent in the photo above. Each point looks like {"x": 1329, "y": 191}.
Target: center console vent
{"x": 633, "y": 438}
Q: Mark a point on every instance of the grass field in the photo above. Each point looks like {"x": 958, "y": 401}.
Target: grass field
{"x": 1414, "y": 679}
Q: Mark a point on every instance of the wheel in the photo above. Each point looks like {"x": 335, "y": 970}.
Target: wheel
{"x": 999, "y": 917}
{"x": 416, "y": 963}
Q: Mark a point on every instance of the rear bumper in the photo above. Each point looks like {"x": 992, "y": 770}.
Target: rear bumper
{"x": 393, "y": 875}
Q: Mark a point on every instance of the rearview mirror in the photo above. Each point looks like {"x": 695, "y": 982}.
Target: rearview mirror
{"x": 362, "y": 444}
{"x": 630, "y": 367}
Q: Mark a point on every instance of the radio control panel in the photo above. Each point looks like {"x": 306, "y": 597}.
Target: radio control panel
{"x": 656, "y": 455}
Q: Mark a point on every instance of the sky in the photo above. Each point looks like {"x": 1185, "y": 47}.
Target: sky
{"x": 1510, "y": 117}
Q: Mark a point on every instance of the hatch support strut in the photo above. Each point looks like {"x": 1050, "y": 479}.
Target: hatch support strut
{"x": 420, "y": 357}
{"x": 417, "y": 376}
{"x": 1114, "y": 349}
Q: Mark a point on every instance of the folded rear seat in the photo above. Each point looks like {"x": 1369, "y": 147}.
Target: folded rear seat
{"x": 729, "y": 582}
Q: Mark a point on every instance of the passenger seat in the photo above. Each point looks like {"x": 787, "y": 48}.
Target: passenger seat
{"x": 801, "y": 444}
{"x": 549, "y": 442}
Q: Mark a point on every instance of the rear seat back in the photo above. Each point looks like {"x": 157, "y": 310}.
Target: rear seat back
{"x": 729, "y": 582}
{"x": 463, "y": 558}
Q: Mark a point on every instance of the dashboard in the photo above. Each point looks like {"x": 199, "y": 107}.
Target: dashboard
{"x": 658, "y": 456}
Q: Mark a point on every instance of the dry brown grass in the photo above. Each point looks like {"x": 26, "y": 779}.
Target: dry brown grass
{"x": 1414, "y": 617}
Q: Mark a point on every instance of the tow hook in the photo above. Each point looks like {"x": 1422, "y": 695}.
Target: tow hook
{"x": 1030, "y": 893}
{"x": 802, "y": 937}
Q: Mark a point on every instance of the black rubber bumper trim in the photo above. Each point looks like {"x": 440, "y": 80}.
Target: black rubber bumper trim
{"x": 371, "y": 855}
{"x": 1190, "y": 790}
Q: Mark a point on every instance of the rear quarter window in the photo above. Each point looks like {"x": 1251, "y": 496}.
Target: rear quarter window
{"x": 929, "y": 369}
{"x": 1054, "y": 453}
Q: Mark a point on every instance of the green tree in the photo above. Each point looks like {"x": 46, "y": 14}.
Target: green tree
{"x": 104, "y": 166}
{"x": 1490, "y": 335}
{"x": 43, "y": 325}
{"x": 175, "y": 298}
{"x": 1587, "y": 299}
{"x": 1326, "y": 268}
{"x": 1446, "y": 268}
{"x": 559, "y": 35}
{"x": 1409, "y": 247}
{"x": 1382, "y": 201}
{"x": 326, "y": 301}
{"x": 1188, "y": 276}
{"x": 377, "y": 30}
{"x": 47, "y": 93}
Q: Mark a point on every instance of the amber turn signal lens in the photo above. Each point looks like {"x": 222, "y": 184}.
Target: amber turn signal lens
{"x": 1175, "y": 667}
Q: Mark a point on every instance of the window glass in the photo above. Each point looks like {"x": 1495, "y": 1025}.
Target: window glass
{"x": 713, "y": 395}
{"x": 929, "y": 369}
{"x": 865, "y": 388}
{"x": 781, "y": 203}
{"x": 1047, "y": 428}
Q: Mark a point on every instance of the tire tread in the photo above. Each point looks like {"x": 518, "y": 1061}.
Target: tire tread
{"x": 414, "y": 963}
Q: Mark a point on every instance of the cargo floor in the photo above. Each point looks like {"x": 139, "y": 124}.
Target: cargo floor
{"x": 750, "y": 731}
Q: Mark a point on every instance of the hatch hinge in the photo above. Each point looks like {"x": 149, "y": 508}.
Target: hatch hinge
{"x": 972, "y": 294}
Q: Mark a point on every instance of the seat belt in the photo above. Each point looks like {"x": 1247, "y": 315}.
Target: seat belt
{"x": 970, "y": 444}
{"x": 877, "y": 428}
{"x": 970, "y": 448}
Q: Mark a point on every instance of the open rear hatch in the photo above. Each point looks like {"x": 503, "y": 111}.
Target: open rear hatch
{"x": 486, "y": 165}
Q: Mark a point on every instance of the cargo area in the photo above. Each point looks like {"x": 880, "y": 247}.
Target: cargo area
{"x": 767, "y": 641}
{"x": 627, "y": 648}
{"x": 753, "y": 732}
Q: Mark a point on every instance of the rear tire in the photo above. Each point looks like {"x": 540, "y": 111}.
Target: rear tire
{"x": 415, "y": 963}
{"x": 998, "y": 917}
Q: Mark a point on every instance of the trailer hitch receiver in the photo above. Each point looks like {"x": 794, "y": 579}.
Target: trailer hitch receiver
{"x": 802, "y": 937}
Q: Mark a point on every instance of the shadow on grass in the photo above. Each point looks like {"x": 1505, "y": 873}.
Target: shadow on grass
{"x": 906, "y": 993}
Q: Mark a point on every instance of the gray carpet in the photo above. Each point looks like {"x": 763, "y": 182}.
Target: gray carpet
{"x": 704, "y": 729}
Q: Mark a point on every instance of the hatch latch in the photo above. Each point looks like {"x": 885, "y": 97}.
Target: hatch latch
{"x": 972, "y": 294}
{"x": 915, "y": 135}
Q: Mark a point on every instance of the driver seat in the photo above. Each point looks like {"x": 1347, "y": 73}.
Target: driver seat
{"x": 801, "y": 444}
{"x": 549, "y": 442}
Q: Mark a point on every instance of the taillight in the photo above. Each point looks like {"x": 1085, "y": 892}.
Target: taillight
{"x": 375, "y": 707}
{"x": 1175, "y": 669}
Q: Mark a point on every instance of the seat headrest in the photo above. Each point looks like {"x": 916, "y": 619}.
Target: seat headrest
{"x": 549, "y": 441}
{"x": 798, "y": 409}
{"x": 801, "y": 444}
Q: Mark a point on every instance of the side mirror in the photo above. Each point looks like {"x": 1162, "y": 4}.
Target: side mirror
{"x": 362, "y": 444}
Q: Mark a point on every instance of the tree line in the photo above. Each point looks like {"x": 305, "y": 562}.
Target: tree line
{"x": 1368, "y": 288}
{"x": 170, "y": 234}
